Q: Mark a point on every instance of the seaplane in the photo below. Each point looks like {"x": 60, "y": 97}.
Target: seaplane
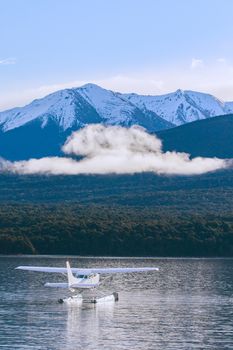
{"x": 81, "y": 279}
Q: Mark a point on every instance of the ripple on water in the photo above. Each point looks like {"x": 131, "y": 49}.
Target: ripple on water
{"x": 187, "y": 305}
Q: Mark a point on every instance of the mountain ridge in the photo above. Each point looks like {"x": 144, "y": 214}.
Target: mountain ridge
{"x": 40, "y": 128}
{"x": 182, "y": 106}
{"x": 90, "y": 103}
{"x": 77, "y": 107}
{"x": 211, "y": 137}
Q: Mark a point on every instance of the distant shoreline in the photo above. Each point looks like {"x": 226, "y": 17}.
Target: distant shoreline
{"x": 65, "y": 256}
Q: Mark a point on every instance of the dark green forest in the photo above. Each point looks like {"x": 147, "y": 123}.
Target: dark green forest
{"x": 138, "y": 215}
{"x": 117, "y": 231}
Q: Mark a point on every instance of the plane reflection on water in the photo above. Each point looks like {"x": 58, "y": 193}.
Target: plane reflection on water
{"x": 187, "y": 306}
{"x": 84, "y": 325}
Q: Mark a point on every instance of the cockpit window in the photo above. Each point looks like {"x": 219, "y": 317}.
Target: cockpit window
{"x": 82, "y": 276}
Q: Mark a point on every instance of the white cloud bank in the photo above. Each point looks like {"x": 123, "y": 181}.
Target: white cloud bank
{"x": 118, "y": 150}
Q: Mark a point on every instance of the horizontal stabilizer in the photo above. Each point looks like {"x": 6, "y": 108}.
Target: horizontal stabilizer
{"x": 74, "y": 285}
{"x": 83, "y": 286}
{"x": 57, "y": 285}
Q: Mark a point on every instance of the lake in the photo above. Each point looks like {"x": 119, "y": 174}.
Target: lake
{"x": 188, "y": 304}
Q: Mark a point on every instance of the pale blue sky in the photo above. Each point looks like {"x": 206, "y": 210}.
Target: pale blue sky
{"x": 146, "y": 46}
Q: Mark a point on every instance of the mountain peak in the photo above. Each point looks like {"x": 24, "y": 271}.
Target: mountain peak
{"x": 78, "y": 106}
{"x": 90, "y": 86}
{"x": 182, "y": 106}
{"x": 179, "y": 92}
{"x": 43, "y": 125}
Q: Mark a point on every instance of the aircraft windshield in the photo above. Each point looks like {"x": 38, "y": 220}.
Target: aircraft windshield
{"x": 82, "y": 276}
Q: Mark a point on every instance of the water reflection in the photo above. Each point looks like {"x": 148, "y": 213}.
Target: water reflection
{"x": 84, "y": 324}
{"x": 187, "y": 305}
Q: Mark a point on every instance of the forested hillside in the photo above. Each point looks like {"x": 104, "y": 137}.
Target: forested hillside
{"x": 143, "y": 215}
{"x": 212, "y": 137}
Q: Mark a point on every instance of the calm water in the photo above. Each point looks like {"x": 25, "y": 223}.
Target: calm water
{"x": 187, "y": 305}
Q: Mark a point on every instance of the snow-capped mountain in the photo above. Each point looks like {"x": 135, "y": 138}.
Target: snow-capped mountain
{"x": 181, "y": 106}
{"x": 66, "y": 108}
{"x": 41, "y": 127}
{"x": 74, "y": 108}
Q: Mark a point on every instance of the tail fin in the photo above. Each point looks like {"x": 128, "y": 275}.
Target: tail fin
{"x": 71, "y": 279}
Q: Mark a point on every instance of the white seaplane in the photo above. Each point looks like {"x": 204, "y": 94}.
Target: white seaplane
{"x": 83, "y": 279}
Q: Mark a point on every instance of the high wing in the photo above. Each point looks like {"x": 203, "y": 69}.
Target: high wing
{"x": 87, "y": 271}
{"x": 66, "y": 285}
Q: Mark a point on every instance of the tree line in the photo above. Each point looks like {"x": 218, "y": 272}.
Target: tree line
{"x": 113, "y": 231}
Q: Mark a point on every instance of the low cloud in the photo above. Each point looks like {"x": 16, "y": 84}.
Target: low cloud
{"x": 212, "y": 76}
{"x": 221, "y": 60}
{"x": 115, "y": 150}
{"x": 197, "y": 63}
{"x": 7, "y": 61}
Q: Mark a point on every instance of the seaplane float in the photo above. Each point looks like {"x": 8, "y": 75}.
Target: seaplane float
{"x": 83, "y": 279}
